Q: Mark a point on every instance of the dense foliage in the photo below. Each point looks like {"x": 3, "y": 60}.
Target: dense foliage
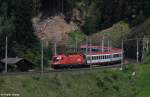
{"x": 16, "y": 24}
{"x": 100, "y": 14}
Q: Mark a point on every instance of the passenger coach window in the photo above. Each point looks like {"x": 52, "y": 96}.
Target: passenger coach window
{"x": 116, "y": 55}
{"x": 107, "y": 57}
{"x": 92, "y": 58}
{"x": 97, "y": 57}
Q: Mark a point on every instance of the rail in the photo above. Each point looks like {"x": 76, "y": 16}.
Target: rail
{"x": 60, "y": 70}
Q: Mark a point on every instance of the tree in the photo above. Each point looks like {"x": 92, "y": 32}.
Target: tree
{"x": 15, "y": 22}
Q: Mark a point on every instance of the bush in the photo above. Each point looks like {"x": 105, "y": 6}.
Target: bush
{"x": 78, "y": 37}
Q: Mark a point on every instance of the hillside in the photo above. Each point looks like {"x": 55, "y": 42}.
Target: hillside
{"x": 143, "y": 80}
{"x": 115, "y": 33}
{"x": 142, "y": 29}
{"x": 105, "y": 83}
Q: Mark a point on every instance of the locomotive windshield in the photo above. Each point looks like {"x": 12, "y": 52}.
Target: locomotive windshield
{"x": 55, "y": 59}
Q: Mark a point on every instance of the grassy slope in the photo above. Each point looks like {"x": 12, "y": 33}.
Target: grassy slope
{"x": 100, "y": 83}
{"x": 144, "y": 81}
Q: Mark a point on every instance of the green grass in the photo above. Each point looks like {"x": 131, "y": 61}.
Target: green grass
{"x": 99, "y": 83}
{"x": 144, "y": 81}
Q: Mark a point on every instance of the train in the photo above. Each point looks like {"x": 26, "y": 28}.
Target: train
{"x": 89, "y": 55}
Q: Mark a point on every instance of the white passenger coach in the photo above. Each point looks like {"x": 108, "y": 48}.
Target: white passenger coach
{"x": 95, "y": 56}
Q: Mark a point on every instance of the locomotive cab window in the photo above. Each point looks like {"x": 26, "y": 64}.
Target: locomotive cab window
{"x": 55, "y": 59}
{"x": 88, "y": 58}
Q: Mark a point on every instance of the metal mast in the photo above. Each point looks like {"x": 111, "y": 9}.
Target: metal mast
{"x": 62, "y": 9}
{"x": 103, "y": 44}
{"x": 143, "y": 50}
{"x": 42, "y": 55}
{"x": 137, "y": 53}
{"x": 6, "y": 50}
{"x": 55, "y": 48}
{"x": 122, "y": 55}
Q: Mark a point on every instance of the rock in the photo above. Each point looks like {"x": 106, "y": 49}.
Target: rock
{"x": 55, "y": 29}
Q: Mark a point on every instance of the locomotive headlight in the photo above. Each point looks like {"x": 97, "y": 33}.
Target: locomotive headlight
{"x": 78, "y": 60}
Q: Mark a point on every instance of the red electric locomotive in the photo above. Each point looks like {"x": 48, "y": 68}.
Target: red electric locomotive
{"x": 74, "y": 60}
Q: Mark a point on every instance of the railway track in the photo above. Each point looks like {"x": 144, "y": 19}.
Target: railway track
{"x": 60, "y": 71}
